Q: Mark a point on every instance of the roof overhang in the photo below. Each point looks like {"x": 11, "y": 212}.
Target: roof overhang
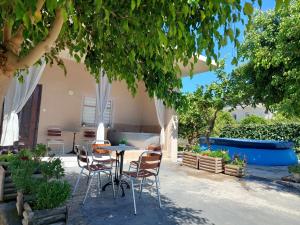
{"x": 199, "y": 67}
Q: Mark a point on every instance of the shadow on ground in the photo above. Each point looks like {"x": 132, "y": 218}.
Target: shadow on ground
{"x": 104, "y": 209}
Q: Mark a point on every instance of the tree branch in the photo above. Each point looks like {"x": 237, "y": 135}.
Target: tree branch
{"x": 14, "y": 44}
{"x": 39, "y": 5}
{"x": 44, "y": 46}
{"x": 6, "y": 32}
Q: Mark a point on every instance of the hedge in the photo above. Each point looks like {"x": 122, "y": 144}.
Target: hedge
{"x": 281, "y": 132}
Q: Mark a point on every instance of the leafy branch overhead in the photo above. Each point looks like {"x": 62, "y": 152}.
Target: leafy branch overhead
{"x": 132, "y": 40}
{"x": 271, "y": 70}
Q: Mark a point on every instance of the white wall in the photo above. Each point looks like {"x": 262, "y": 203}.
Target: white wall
{"x": 240, "y": 113}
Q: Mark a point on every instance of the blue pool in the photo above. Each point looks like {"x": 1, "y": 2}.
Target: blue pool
{"x": 256, "y": 152}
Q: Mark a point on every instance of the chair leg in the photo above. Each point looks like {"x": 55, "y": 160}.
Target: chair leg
{"x": 141, "y": 186}
{"x": 112, "y": 183}
{"x": 133, "y": 196}
{"x": 77, "y": 182}
{"x": 99, "y": 183}
{"x": 157, "y": 190}
{"x": 89, "y": 186}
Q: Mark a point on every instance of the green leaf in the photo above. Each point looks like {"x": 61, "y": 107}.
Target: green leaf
{"x": 133, "y": 4}
{"x": 51, "y": 5}
{"x": 248, "y": 9}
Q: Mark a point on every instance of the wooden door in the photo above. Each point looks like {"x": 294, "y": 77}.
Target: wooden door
{"x": 29, "y": 119}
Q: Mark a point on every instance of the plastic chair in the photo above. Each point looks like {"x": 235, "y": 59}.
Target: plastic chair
{"x": 92, "y": 169}
{"x": 148, "y": 166}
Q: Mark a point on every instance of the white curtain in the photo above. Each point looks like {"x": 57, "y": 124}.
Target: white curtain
{"x": 15, "y": 99}
{"x": 160, "y": 112}
{"x": 102, "y": 95}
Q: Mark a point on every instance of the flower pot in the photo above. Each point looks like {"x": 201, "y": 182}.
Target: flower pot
{"x": 210, "y": 164}
{"x": 57, "y": 215}
{"x": 190, "y": 159}
{"x": 234, "y": 170}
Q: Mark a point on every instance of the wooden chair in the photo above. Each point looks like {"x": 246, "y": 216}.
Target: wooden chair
{"x": 148, "y": 166}
{"x": 55, "y": 135}
{"x": 92, "y": 170}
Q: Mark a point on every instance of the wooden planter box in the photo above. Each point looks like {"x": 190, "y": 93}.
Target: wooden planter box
{"x": 56, "y": 216}
{"x": 190, "y": 160}
{"x": 8, "y": 191}
{"x": 234, "y": 170}
{"x": 210, "y": 164}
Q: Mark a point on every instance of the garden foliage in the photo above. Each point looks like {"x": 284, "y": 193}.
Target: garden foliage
{"x": 282, "y": 132}
{"x": 40, "y": 179}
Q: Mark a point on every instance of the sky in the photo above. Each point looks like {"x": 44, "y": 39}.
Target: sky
{"x": 227, "y": 53}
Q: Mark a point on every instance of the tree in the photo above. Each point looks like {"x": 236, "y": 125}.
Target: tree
{"x": 203, "y": 107}
{"x": 253, "y": 119}
{"x": 271, "y": 72}
{"x": 131, "y": 40}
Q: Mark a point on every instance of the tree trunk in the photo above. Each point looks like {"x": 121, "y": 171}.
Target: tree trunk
{"x": 210, "y": 128}
{"x": 5, "y": 82}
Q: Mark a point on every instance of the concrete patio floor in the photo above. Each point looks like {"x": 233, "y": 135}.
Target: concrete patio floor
{"x": 189, "y": 197}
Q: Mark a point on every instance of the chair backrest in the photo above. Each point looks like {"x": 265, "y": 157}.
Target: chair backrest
{"x": 82, "y": 157}
{"x": 153, "y": 147}
{"x": 96, "y": 147}
{"x": 150, "y": 160}
{"x": 89, "y": 134}
{"x": 54, "y": 132}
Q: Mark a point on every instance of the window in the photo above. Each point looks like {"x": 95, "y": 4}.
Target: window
{"x": 89, "y": 112}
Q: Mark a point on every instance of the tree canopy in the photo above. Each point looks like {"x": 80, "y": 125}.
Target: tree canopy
{"x": 131, "y": 40}
{"x": 271, "y": 72}
{"x": 203, "y": 107}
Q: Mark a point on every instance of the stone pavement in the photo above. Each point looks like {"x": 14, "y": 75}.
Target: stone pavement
{"x": 189, "y": 197}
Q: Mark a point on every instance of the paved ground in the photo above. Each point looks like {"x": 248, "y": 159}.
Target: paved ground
{"x": 191, "y": 197}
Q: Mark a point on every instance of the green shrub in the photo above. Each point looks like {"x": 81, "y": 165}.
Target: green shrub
{"x": 6, "y": 157}
{"x": 216, "y": 154}
{"x": 253, "y": 119}
{"x": 52, "y": 194}
{"x": 46, "y": 190}
{"x": 237, "y": 161}
{"x": 280, "y": 132}
{"x": 294, "y": 169}
{"x": 39, "y": 151}
{"x": 22, "y": 171}
{"x": 52, "y": 169}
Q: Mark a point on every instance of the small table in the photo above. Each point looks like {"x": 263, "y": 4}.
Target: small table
{"x": 120, "y": 151}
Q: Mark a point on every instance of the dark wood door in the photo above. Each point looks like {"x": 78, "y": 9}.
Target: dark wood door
{"x": 29, "y": 119}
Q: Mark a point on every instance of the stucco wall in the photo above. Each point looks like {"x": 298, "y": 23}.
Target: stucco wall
{"x": 62, "y": 98}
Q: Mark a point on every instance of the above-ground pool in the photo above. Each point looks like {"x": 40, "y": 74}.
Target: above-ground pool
{"x": 255, "y": 152}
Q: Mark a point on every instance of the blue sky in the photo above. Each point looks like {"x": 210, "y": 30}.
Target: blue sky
{"x": 227, "y": 53}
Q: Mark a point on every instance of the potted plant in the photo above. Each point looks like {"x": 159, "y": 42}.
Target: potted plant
{"x": 213, "y": 161}
{"x": 295, "y": 171}
{"x": 42, "y": 195}
{"x": 190, "y": 158}
{"x": 236, "y": 167}
{"x": 123, "y": 142}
